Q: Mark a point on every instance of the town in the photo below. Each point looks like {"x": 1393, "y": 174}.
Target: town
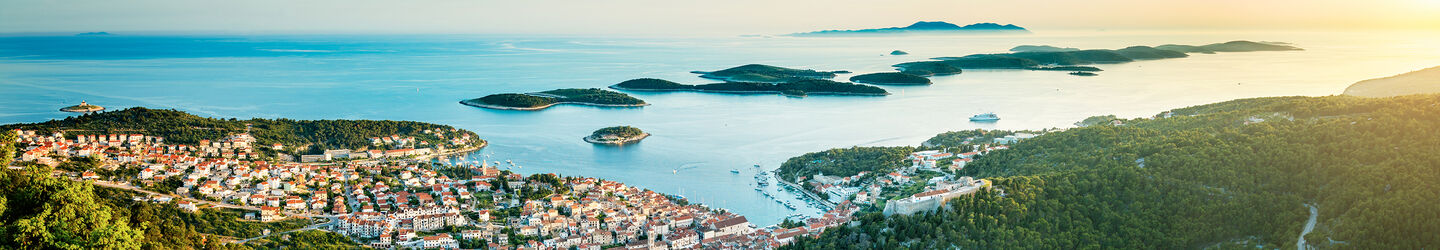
{"x": 399, "y": 198}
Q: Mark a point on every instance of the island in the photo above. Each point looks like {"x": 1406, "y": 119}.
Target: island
{"x": 1036, "y": 57}
{"x": 891, "y": 78}
{"x": 766, "y": 74}
{"x": 1041, "y": 48}
{"x": 101, "y": 33}
{"x": 796, "y": 88}
{"x": 899, "y": 53}
{"x": 1423, "y": 81}
{"x": 83, "y": 108}
{"x": 924, "y": 27}
{"x": 546, "y": 99}
{"x": 1231, "y": 46}
{"x": 618, "y": 135}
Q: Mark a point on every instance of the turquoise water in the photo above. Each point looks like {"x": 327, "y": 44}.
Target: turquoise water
{"x": 698, "y": 138}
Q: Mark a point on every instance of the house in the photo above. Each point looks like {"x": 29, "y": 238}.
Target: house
{"x": 188, "y": 206}
{"x": 268, "y": 214}
{"x": 440, "y": 241}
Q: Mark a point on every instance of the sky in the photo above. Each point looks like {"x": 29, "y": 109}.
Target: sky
{"x": 696, "y": 16}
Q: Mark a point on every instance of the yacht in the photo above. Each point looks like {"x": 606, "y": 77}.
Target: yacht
{"x": 735, "y": 171}
{"x": 985, "y": 117}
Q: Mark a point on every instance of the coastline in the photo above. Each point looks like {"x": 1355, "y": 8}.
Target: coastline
{"x": 617, "y": 143}
{"x": 489, "y": 106}
{"x": 743, "y": 91}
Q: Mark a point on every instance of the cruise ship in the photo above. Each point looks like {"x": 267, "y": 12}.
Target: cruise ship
{"x": 986, "y": 117}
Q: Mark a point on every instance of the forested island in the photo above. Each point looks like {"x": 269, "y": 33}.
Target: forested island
{"x": 1045, "y": 57}
{"x": 766, "y": 74}
{"x": 891, "y": 78}
{"x": 547, "y": 99}
{"x": 924, "y": 27}
{"x": 794, "y": 88}
{"x": 1236, "y": 174}
{"x": 618, "y": 135}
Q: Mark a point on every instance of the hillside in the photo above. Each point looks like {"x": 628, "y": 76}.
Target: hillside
{"x": 793, "y": 88}
{"x": 1231, "y": 174}
{"x": 184, "y": 128}
{"x": 1415, "y": 82}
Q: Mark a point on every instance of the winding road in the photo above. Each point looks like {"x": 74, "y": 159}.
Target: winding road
{"x": 1309, "y": 226}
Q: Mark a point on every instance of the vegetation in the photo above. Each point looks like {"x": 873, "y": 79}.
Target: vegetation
{"x": 899, "y": 53}
{"x": 1096, "y": 120}
{"x": 801, "y": 87}
{"x": 41, "y": 211}
{"x": 845, "y": 162}
{"x": 547, "y": 98}
{"x": 1210, "y": 176}
{"x": 891, "y": 78}
{"x": 767, "y": 74}
{"x": 183, "y": 128}
{"x": 82, "y": 108}
{"x": 309, "y": 239}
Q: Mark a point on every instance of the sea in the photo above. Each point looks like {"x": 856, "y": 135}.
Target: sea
{"x": 697, "y": 138}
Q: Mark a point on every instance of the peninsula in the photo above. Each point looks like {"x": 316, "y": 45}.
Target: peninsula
{"x": 1039, "y": 57}
{"x": 1423, "y": 81}
{"x": 924, "y": 27}
{"x": 82, "y": 108}
{"x": 547, "y": 99}
{"x": 618, "y": 135}
{"x": 766, "y": 74}
{"x": 794, "y": 88}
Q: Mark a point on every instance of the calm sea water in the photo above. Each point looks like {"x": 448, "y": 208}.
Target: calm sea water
{"x": 698, "y": 138}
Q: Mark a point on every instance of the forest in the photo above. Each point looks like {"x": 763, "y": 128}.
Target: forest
{"x": 845, "y": 162}
{"x": 1228, "y": 175}
{"x": 183, "y": 128}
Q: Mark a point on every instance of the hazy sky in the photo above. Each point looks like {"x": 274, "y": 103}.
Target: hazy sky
{"x": 695, "y": 16}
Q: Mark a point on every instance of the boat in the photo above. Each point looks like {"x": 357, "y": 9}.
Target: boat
{"x": 757, "y": 165}
{"x": 985, "y": 117}
{"x": 735, "y": 171}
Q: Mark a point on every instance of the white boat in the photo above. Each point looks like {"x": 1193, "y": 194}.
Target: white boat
{"x": 985, "y": 117}
{"x": 735, "y": 171}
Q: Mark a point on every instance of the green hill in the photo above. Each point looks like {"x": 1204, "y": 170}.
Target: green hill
{"x": 1415, "y": 82}
{"x": 1226, "y": 175}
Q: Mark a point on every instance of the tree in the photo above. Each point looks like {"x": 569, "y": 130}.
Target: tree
{"x": 45, "y": 212}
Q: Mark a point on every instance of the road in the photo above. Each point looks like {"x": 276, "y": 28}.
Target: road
{"x": 332, "y": 221}
{"x": 1309, "y": 226}
{"x": 211, "y": 203}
